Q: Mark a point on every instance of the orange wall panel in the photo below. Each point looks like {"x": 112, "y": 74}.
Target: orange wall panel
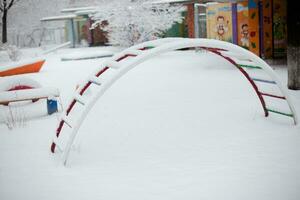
{"x": 254, "y": 26}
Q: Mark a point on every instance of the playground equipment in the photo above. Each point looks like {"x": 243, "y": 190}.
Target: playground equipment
{"x": 245, "y": 61}
{"x": 21, "y": 89}
{"x": 18, "y": 83}
{"x": 32, "y": 94}
{"x": 30, "y": 65}
{"x": 22, "y": 67}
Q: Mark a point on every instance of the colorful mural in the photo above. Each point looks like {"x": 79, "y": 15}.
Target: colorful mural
{"x": 243, "y": 25}
{"x": 267, "y": 29}
{"x": 279, "y": 28}
{"x": 248, "y": 25}
{"x": 219, "y": 21}
{"x": 254, "y": 26}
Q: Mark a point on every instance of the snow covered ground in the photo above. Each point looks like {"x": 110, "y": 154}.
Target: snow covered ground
{"x": 183, "y": 125}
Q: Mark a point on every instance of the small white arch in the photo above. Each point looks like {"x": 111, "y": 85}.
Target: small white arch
{"x": 141, "y": 52}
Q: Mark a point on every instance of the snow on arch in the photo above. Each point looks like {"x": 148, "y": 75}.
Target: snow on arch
{"x": 237, "y": 56}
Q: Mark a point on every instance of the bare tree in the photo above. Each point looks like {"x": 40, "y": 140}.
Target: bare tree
{"x": 24, "y": 27}
{"x": 5, "y": 5}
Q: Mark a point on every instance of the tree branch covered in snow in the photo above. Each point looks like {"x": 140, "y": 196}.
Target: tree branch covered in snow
{"x": 135, "y": 21}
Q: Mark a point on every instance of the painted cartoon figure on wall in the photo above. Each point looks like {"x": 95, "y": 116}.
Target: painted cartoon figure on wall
{"x": 245, "y": 36}
{"x": 221, "y": 27}
{"x": 219, "y": 21}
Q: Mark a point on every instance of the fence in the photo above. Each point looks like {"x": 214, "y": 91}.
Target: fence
{"x": 37, "y": 37}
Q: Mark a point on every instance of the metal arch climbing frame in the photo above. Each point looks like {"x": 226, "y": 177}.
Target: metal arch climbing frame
{"x": 144, "y": 51}
{"x": 261, "y": 99}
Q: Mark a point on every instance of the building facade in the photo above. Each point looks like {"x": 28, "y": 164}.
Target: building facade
{"x": 257, "y": 25}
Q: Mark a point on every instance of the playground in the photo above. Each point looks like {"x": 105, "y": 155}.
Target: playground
{"x": 157, "y": 122}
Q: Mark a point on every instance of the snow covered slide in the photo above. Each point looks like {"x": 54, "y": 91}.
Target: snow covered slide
{"x": 246, "y": 62}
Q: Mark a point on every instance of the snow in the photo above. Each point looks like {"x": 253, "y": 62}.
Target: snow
{"x": 77, "y": 9}
{"x": 66, "y": 44}
{"x": 182, "y": 125}
{"x": 16, "y": 64}
{"x": 13, "y": 81}
{"x": 85, "y": 12}
{"x": 61, "y": 17}
{"x": 86, "y": 55}
{"x": 172, "y": 1}
{"x": 19, "y": 95}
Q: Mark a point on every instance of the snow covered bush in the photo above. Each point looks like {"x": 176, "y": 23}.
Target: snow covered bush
{"x": 134, "y": 21}
{"x": 13, "y": 116}
{"x": 13, "y": 51}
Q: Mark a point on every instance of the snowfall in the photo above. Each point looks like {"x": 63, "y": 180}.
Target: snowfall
{"x": 182, "y": 125}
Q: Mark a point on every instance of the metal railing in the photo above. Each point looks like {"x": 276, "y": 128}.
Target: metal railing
{"x": 37, "y": 37}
